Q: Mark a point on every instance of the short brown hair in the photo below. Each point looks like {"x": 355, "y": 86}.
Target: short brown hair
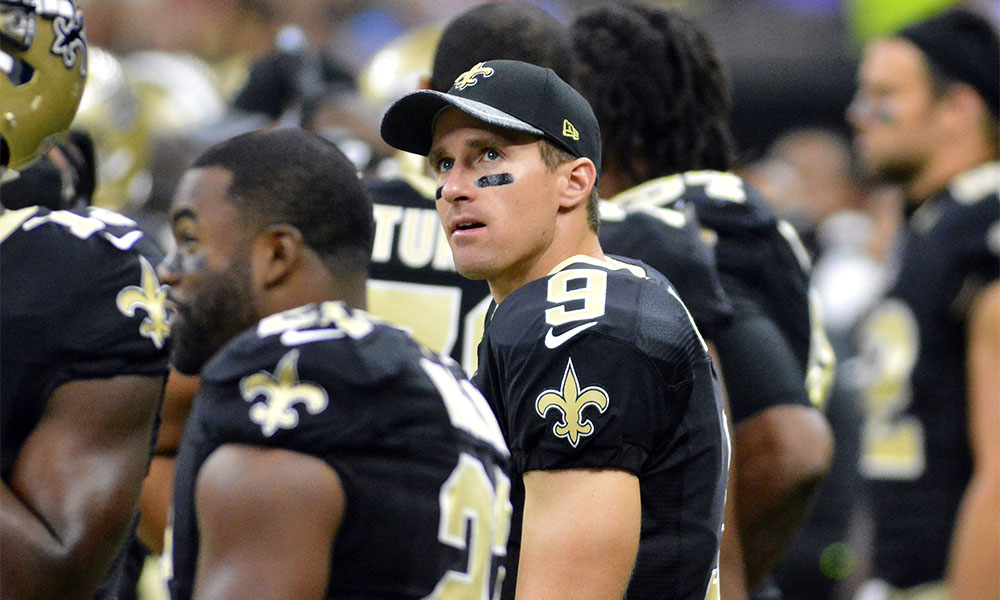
{"x": 554, "y": 156}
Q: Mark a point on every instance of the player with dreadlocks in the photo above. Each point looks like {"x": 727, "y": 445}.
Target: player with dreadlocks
{"x": 661, "y": 97}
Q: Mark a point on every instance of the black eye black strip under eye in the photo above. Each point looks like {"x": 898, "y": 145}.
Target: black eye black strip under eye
{"x": 494, "y": 179}
{"x": 485, "y": 181}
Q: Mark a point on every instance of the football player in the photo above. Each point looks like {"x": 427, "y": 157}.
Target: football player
{"x": 660, "y": 96}
{"x": 327, "y": 455}
{"x": 414, "y": 282}
{"x": 84, "y": 330}
{"x": 925, "y": 117}
{"x": 602, "y": 384}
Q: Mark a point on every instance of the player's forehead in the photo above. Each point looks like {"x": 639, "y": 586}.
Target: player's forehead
{"x": 893, "y": 62}
{"x": 202, "y": 194}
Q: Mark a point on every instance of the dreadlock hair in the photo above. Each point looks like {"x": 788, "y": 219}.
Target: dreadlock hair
{"x": 657, "y": 88}
{"x": 294, "y": 177}
{"x": 502, "y": 30}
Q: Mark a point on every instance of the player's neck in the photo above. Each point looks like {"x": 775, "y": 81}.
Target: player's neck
{"x": 584, "y": 242}
{"x": 313, "y": 287}
{"x": 947, "y": 163}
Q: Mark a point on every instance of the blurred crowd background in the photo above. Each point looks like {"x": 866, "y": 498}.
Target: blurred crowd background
{"x": 167, "y": 78}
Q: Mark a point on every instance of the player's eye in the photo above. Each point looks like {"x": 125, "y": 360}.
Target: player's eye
{"x": 491, "y": 154}
{"x": 444, "y": 164}
{"x": 186, "y": 243}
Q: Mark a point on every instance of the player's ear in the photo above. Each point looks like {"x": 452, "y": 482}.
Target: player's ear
{"x": 580, "y": 177}
{"x": 424, "y": 83}
{"x": 962, "y": 108}
{"x": 276, "y": 253}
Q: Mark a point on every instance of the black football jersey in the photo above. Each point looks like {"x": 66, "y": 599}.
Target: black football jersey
{"x": 416, "y": 448}
{"x": 669, "y": 240}
{"x": 764, "y": 271}
{"x": 599, "y": 365}
{"x": 80, "y": 301}
{"x": 413, "y": 282}
{"x": 915, "y": 449}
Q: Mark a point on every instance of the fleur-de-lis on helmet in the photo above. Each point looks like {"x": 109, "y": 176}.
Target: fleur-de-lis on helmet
{"x": 571, "y": 401}
{"x": 151, "y": 297}
{"x": 281, "y": 392}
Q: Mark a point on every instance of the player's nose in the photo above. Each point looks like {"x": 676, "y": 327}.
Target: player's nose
{"x": 458, "y": 185}
{"x": 169, "y": 269}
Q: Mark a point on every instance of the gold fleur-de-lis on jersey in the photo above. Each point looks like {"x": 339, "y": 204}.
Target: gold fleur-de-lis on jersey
{"x": 281, "y": 392}
{"x": 571, "y": 401}
{"x": 151, "y": 297}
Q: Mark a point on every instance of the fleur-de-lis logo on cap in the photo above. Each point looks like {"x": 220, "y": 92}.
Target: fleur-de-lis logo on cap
{"x": 151, "y": 297}
{"x": 469, "y": 77}
{"x": 281, "y": 392}
{"x": 571, "y": 401}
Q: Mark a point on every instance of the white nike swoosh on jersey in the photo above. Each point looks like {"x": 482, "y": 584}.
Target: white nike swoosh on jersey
{"x": 296, "y": 337}
{"x": 554, "y": 341}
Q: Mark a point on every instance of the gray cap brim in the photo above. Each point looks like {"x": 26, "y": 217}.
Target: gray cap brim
{"x": 409, "y": 123}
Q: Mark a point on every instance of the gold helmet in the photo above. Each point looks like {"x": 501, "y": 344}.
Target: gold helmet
{"x": 43, "y": 67}
{"x": 395, "y": 70}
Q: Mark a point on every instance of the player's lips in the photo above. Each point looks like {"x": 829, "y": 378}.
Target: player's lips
{"x": 462, "y": 226}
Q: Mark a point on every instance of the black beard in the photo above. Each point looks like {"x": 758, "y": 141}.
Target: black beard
{"x": 897, "y": 173}
{"x": 221, "y": 309}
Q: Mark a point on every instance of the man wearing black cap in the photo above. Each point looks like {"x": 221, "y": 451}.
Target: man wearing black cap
{"x": 601, "y": 382}
{"x": 925, "y": 115}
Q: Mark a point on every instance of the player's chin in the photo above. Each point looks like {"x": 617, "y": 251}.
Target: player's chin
{"x": 471, "y": 269}
{"x": 190, "y": 349}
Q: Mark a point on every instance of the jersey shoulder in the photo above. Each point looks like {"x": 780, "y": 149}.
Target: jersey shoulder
{"x": 322, "y": 337}
{"x": 86, "y": 280}
{"x": 978, "y": 187}
{"x": 593, "y": 304}
{"x": 324, "y": 377}
{"x": 669, "y": 240}
{"x": 972, "y": 206}
{"x": 724, "y": 200}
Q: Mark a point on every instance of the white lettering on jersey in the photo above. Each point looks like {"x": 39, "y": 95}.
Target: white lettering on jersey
{"x": 412, "y": 235}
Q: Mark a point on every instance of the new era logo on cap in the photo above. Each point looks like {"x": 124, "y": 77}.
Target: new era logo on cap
{"x": 570, "y": 131}
{"x": 505, "y": 93}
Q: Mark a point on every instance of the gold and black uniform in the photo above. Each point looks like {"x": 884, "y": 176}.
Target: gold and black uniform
{"x": 81, "y": 300}
{"x": 599, "y": 366}
{"x": 414, "y": 445}
{"x": 915, "y": 442}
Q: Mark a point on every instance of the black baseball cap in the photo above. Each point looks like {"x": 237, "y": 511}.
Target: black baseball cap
{"x": 963, "y": 46}
{"x": 506, "y": 93}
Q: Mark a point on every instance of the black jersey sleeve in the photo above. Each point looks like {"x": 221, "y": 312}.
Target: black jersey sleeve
{"x": 668, "y": 240}
{"x": 286, "y": 390}
{"x": 81, "y": 296}
{"x": 759, "y": 368}
{"x": 587, "y": 405}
